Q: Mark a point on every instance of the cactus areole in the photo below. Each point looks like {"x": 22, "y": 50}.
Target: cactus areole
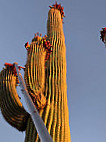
{"x": 45, "y": 80}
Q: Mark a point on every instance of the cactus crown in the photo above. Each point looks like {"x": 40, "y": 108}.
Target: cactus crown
{"x": 59, "y": 7}
{"x": 41, "y": 41}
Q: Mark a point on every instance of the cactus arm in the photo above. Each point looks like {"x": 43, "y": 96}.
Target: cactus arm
{"x": 11, "y": 107}
{"x": 35, "y": 83}
{"x": 35, "y": 74}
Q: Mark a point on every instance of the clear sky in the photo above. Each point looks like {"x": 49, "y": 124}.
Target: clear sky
{"x": 86, "y": 59}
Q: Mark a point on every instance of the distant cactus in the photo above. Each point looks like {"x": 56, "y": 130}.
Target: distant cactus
{"x": 45, "y": 77}
{"x": 103, "y": 35}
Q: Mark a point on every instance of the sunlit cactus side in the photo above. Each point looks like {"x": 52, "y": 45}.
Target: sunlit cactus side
{"x": 59, "y": 127}
{"x": 103, "y": 35}
{"x": 35, "y": 73}
{"x": 45, "y": 78}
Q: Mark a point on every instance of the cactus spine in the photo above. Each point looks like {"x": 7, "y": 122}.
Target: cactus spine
{"x": 46, "y": 84}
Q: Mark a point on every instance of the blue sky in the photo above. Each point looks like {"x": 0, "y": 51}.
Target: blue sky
{"x": 86, "y": 59}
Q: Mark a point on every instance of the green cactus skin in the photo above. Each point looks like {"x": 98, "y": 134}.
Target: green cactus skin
{"x": 46, "y": 84}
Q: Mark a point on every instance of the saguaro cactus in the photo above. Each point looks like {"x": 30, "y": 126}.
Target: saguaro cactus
{"x": 103, "y": 35}
{"x": 45, "y": 77}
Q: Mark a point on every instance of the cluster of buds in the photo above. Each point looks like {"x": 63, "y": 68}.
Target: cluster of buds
{"x": 42, "y": 41}
{"x": 13, "y": 68}
{"x": 60, "y": 8}
{"x": 103, "y": 34}
{"x": 37, "y": 37}
{"x": 27, "y": 45}
{"x": 47, "y": 45}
